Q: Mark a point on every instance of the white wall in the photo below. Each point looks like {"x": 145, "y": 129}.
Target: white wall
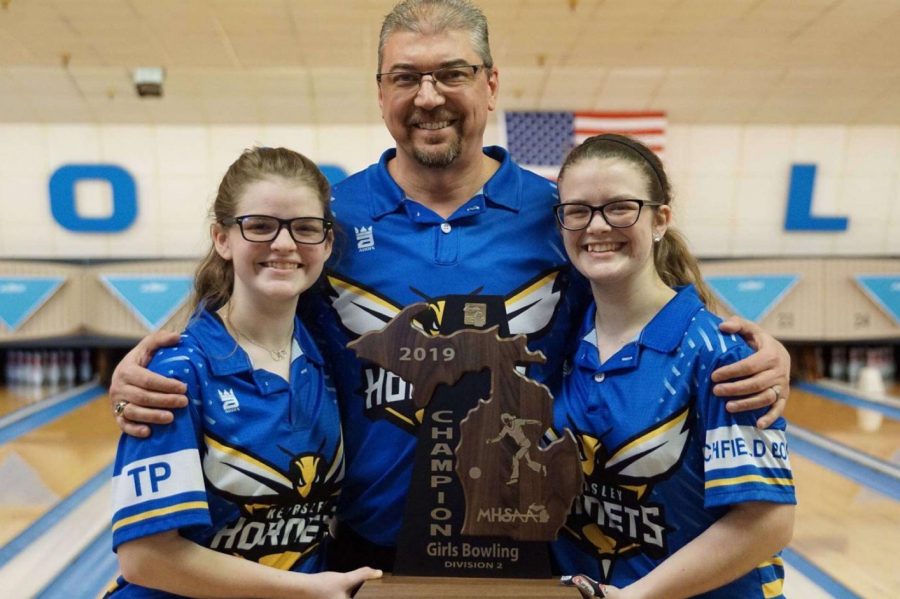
{"x": 731, "y": 184}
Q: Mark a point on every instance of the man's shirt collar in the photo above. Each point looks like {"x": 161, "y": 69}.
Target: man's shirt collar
{"x": 502, "y": 189}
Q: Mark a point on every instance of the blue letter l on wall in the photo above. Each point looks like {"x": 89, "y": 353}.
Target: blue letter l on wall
{"x": 799, "y": 215}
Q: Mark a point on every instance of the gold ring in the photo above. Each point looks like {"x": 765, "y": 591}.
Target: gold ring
{"x": 119, "y": 408}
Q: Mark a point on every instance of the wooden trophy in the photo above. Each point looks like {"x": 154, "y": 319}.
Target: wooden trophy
{"x": 485, "y": 495}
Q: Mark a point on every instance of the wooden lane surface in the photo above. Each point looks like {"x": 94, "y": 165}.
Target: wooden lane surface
{"x": 839, "y": 422}
{"x": 15, "y": 398}
{"x": 414, "y": 587}
{"x": 847, "y": 530}
{"x": 62, "y": 455}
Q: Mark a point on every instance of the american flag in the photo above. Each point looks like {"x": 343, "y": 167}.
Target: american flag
{"x": 539, "y": 141}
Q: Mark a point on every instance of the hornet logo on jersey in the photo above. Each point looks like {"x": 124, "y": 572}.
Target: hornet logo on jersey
{"x": 285, "y": 512}
{"x": 251, "y": 480}
{"x": 528, "y": 310}
{"x": 614, "y": 517}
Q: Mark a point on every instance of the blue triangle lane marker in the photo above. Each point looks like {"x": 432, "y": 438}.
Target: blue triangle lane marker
{"x": 153, "y": 299}
{"x": 884, "y": 290}
{"x": 752, "y": 296}
{"x": 20, "y": 297}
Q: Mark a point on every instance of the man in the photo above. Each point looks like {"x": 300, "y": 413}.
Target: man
{"x": 439, "y": 219}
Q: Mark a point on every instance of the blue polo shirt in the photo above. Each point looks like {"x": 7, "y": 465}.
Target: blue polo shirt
{"x": 662, "y": 458}
{"x": 252, "y": 467}
{"x": 501, "y": 250}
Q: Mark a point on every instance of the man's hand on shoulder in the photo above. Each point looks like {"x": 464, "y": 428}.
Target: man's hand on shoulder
{"x": 140, "y": 397}
{"x": 760, "y": 380}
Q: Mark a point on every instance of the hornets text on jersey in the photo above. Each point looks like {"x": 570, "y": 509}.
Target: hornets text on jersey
{"x": 662, "y": 458}
{"x": 252, "y": 467}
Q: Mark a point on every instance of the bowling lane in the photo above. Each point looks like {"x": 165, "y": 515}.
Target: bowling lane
{"x": 16, "y": 397}
{"x": 47, "y": 464}
{"x": 847, "y": 530}
{"x": 31, "y": 376}
{"x": 840, "y": 422}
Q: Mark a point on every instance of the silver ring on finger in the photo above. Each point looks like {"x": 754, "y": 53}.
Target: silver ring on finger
{"x": 119, "y": 408}
{"x": 777, "y": 392}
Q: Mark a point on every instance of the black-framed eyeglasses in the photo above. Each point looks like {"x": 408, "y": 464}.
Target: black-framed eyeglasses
{"x": 619, "y": 214}
{"x": 260, "y": 228}
{"x": 448, "y": 77}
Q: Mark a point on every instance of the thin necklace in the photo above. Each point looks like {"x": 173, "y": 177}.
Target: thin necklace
{"x": 277, "y": 354}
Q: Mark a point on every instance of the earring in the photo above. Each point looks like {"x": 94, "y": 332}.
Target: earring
{"x": 657, "y": 238}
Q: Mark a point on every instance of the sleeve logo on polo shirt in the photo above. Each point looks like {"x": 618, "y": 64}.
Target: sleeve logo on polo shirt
{"x": 158, "y": 477}
{"x": 528, "y": 310}
{"x": 737, "y": 446}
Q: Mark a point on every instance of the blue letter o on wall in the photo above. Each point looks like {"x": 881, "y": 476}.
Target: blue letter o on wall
{"x": 63, "y": 203}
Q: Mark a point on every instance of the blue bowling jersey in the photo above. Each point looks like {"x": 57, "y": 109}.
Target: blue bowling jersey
{"x": 501, "y": 251}
{"x": 251, "y": 467}
{"x": 662, "y": 458}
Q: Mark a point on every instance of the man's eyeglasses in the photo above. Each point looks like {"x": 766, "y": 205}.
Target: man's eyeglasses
{"x": 259, "y": 228}
{"x": 620, "y": 214}
{"x": 447, "y": 77}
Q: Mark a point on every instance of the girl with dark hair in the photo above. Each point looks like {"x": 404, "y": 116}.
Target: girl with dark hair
{"x": 235, "y": 497}
{"x": 681, "y": 497}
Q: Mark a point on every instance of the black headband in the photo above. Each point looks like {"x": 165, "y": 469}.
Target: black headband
{"x": 636, "y": 147}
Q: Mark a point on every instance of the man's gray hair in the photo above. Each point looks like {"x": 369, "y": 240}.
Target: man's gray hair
{"x": 437, "y": 16}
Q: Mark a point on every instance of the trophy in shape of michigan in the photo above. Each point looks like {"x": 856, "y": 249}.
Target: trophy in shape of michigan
{"x": 513, "y": 487}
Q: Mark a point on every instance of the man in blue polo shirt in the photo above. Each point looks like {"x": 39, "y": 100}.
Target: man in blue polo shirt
{"x": 497, "y": 249}
{"x": 440, "y": 219}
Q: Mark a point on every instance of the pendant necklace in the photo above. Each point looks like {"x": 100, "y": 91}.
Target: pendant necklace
{"x": 276, "y": 354}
